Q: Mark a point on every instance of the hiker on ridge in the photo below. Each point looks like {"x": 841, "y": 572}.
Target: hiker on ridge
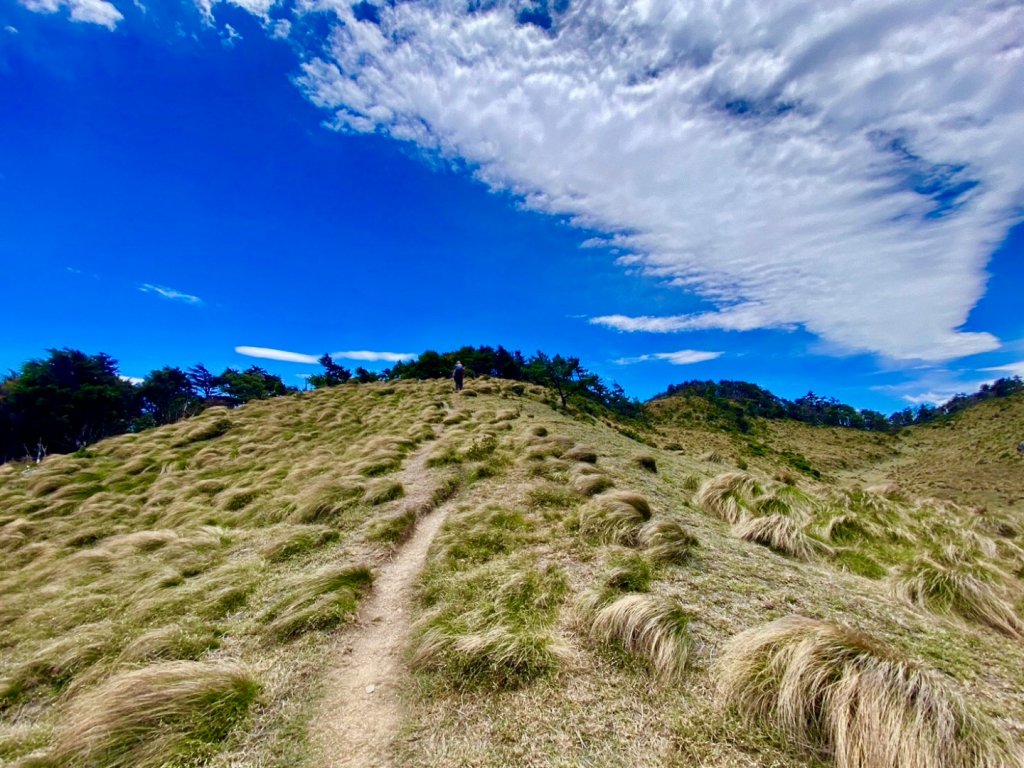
{"x": 458, "y": 375}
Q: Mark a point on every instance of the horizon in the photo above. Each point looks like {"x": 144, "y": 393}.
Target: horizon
{"x": 833, "y": 206}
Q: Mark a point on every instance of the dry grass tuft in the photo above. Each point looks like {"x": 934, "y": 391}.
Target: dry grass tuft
{"x": 839, "y": 691}
{"x": 728, "y": 495}
{"x": 592, "y": 484}
{"x": 318, "y": 601}
{"x": 615, "y": 517}
{"x": 653, "y": 627}
{"x": 960, "y": 583}
{"x": 168, "y": 714}
{"x": 665, "y": 540}
{"x": 581, "y": 453}
{"x": 779, "y": 533}
{"x": 646, "y": 462}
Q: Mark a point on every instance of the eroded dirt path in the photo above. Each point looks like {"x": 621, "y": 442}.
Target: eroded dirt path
{"x": 360, "y": 712}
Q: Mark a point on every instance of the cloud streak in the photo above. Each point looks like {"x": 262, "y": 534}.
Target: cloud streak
{"x": 682, "y": 357}
{"x": 847, "y": 169}
{"x": 170, "y": 293}
{"x": 86, "y": 11}
{"x": 285, "y": 356}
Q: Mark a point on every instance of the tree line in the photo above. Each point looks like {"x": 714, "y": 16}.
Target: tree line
{"x": 69, "y": 399}
{"x": 742, "y": 400}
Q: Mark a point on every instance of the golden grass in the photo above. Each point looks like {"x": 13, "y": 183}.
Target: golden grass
{"x": 839, "y": 691}
{"x": 615, "y": 516}
{"x": 959, "y": 583}
{"x": 666, "y": 540}
{"x": 320, "y": 600}
{"x": 155, "y": 716}
{"x": 652, "y": 627}
{"x": 780, "y": 534}
{"x": 727, "y": 495}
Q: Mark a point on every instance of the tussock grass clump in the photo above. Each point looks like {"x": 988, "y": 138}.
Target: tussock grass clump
{"x": 630, "y": 572}
{"x": 778, "y": 533}
{"x": 592, "y": 484}
{"x": 615, "y": 517}
{"x": 652, "y": 627}
{"x": 665, "y": 540}
{"x": 954, "y": 582}
{"x": 552, "y": 495}
{"x": 325, "y": 502}
{"x": 490, "y": 626}
{"x": 381, "y": 492}
{"x": 396, "y": 527}
{"x": 840, "y": 691}
{"x": 479, "y": 535}
{"x": 59, "y": 661}
{"x": 646, "y": 462}
{"x": 168, "y": 714}
{"x": 445, "y": 490}
{"x": 178, "y": 641}
{"x": 728, "y": 495}
{"x": 209, "y": 429}
{"x": 581, "y": 453}
{"x": 298, "y": 541}
{"x": 319, "y": 601}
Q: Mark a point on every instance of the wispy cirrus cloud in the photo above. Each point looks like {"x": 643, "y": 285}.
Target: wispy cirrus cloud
{"x": 170, "y": 293}
{"x": 844, "y": 168}
{"x": 299, "y": 357}
{"x": 1010, "y": 369}
{"x": 99, "y": 12}
{"x": 682, "y": 357}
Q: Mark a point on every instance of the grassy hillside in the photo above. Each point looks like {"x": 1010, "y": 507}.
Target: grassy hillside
{"x": 590, "y": 600}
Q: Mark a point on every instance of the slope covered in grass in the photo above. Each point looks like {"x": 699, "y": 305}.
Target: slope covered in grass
{"x": 575, "y": 608}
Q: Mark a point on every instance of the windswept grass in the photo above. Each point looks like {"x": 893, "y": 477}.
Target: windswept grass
{"x": 955, "y": 582}
{"x": 615, "y": 517}
{"x": 666, "y": 540}
{"x": 489, "y": 626}
{"x": 841, "y": 692}
{"x": 168, "y": 714}
{"x": 728, "y": 495}
{"x": 321, "y": 600}
{"x": 781, "y": 534}
{"x": 652, "y": 627}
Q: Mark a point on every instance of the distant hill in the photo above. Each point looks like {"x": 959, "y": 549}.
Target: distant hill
{"x": 599, "y": 591}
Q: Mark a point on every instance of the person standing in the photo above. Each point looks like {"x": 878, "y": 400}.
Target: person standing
{"x": 457, "y": 375}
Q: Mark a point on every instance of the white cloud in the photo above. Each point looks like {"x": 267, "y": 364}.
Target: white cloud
{"x": 11, "y": 30}
{"x": 847, "y": 168}
{"x": 299, "y": 357}
{"x": 259, "y": 8}
{"x": 170, "y": 293}
{"x": 277, "y": 354}
{"x": 229, "y": 35}
{"x": 1011, "y": 369}
{"x": 88, "y": 11}
{"x": 362, "y": 354}
{"x": 280, "y": 29}
{"x": 132, "y": 379}
{"x": 682, "y": 357}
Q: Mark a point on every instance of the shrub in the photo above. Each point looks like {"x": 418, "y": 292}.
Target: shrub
{"x": 840, "y": 691}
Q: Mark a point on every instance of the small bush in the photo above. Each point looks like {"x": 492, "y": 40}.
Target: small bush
{"x": 842, "y": 692}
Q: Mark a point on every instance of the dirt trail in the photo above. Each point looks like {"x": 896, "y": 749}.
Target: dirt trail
{"x": 360, "y": 711}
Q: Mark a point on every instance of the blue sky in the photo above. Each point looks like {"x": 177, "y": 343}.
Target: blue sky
{"x": 804, "y": 198}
